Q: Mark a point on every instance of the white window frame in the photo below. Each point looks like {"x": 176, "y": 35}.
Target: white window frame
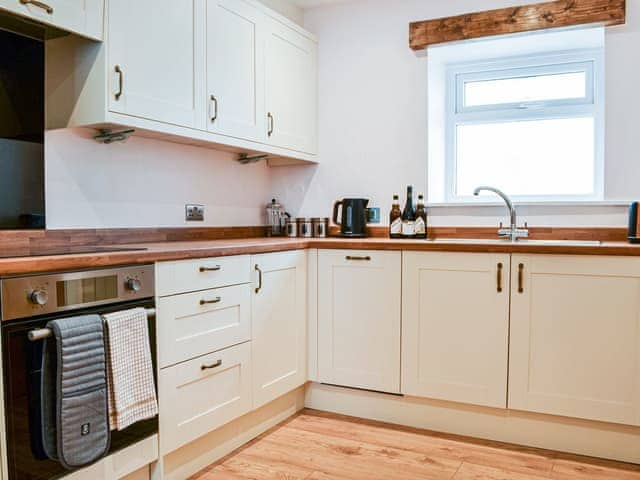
{"x": 592, "y": 105}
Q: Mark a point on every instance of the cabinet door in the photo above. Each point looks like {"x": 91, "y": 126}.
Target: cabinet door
{"x": 359, "y": 319}
{"x": 84, "y": 17}
{"x": 291, "y": 91}
{"x": 235, "y": 69}
{"x": 279, "y": 324}
{"x": 455, "y": 326}
{"x": 159, "y": 48}
{"x": 200, "y": 395}
{"x": 575, "y": 337}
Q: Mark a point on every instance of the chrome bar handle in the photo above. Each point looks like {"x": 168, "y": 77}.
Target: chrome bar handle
{"x": 38, "y": 4}
{"x": 259, "y": 287}
{"x": 42, "y": 333}
{"x": 120, "y": 82}
{"x": 214, "y": 108}
{"x": 215, "y": 364}
{"x": 499, "y": 279}
{"x": 209, "y": 302}
{"x": 271, "y": 123}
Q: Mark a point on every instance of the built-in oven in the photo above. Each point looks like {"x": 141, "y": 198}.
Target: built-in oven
{"x": 28, "y": 303}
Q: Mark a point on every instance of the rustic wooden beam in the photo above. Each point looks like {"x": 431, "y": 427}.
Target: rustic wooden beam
{"x": 525, "y": 18}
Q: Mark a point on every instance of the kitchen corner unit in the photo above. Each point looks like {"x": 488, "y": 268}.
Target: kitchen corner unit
{"x": 227, "y": 74}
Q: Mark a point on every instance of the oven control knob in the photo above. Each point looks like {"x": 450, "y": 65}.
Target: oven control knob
{"x": 39, "y": 297}
{"x": 134, "y": 284}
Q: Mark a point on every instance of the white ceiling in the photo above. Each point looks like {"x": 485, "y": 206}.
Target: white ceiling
{"x": 314, "y": 3}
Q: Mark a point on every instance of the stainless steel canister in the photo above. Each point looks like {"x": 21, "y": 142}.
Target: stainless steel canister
{"x": 291, "y": 228}
{"x": 320, "y": 227}
{"x": 305, "y": 227}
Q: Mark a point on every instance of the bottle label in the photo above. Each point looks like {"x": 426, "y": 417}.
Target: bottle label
{"x": 421, "y": 227}
{"x": 396, "y": 226}
{"x": 408, "y": 228}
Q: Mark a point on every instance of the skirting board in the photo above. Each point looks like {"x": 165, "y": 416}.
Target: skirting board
{"x": 604, "y": 440}
{"x": 206, "y": 450}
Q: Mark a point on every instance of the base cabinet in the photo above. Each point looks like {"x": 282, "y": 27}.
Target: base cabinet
{"x": 575, "y": 337}
{"x": 279, "y": 324}
{"x": 203, "y": 394}
{"x": 455, "y": 326}
{"x": 359, "y": 319}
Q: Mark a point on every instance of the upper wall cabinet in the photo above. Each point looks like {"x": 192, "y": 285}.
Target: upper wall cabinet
{"x": 235, "y": 83}
{"x": 83, "y": 17}
{"x": 290, "y": 65}
{"x": 156, "y": 52}
{"x": 219, "y": 73}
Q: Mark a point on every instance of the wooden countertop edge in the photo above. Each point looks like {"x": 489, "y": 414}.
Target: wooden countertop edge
{"x": 167, "y": 251}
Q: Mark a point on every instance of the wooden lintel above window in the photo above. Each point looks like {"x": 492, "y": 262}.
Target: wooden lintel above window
{"x": 524, "y": 18}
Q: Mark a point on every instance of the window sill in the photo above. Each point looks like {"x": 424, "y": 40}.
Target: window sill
{"x": 559, "y": 203}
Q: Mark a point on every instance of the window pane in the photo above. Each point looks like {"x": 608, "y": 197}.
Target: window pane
{"x": 541, "y": 157}
{"x": 535, "y": 88}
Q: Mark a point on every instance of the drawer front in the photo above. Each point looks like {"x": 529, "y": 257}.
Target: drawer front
{"x": 202, "y": 274}
{"x": 194, "y": 324}
{"x": 200, "y": 395}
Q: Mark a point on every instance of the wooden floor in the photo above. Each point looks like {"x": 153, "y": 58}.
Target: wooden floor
{"x": 321, "y": 446}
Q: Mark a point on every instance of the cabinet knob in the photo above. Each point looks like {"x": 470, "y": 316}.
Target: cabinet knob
{"x": 39, "y": 297}
{"x": 134, "y": 285}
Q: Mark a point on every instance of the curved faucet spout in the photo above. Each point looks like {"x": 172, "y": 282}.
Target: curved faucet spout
{"x": 513, "y": 231}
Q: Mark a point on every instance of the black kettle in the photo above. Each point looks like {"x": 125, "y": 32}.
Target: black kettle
{"x": 353, "y": 218}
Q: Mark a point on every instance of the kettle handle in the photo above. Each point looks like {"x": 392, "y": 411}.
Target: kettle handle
{"x": 335, "y": 212}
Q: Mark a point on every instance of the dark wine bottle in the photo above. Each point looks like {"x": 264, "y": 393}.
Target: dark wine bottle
{"x": 409, "y": 216}
{"x": 395, "y": 219}
{"x": 421, "y": 219}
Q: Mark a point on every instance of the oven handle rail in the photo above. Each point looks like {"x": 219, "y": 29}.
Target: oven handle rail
{"x": 42, "y": 333}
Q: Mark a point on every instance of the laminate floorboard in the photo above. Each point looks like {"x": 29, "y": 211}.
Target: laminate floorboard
{"x": 316, "y": 445}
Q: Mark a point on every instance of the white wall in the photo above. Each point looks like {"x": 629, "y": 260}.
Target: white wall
{"x": 146, "y": 183}
{"x": 373, "y": 115}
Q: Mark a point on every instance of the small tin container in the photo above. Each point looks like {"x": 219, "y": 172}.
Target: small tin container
{"x": 320, "y": 227}
{"x": 305, "y": 227}
{"x": 291, "y": 228}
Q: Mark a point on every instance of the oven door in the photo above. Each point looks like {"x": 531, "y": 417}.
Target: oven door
{"x": 22, "y": 371}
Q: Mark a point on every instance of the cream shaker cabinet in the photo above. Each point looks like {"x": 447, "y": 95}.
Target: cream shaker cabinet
{"x": 157, "y": 60}
{"x": 224, "y": 73}
{"x": 455, "y": 326}
{"x": 279, "y": 324}
{"x": 359, "y": 319}
{"x": 83, "y": 17}
{"x": 235, "y": 69}
{"x": 291, "y": 88}
{"x": 575, "y": 337}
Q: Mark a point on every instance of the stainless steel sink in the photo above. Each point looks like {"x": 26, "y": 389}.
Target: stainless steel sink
{"x": 526, "y": 241}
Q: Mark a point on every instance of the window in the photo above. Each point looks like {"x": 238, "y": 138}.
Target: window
{"x": 531, "y": 125}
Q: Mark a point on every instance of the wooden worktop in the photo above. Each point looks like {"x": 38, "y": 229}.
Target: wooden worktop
{"x": 179, "y": 250}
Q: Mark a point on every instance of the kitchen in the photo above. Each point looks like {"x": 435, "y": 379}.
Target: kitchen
{"x": 326, "y": 349}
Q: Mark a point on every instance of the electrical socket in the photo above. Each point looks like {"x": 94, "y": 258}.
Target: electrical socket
{"x": 194, "y": 213}
{"x": 373, "y": 215}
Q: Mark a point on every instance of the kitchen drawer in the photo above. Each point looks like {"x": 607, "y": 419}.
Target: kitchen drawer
{"x": 196, "y": 397}
{"x": 188, "y": 326}
{"x": 201, "y": 274}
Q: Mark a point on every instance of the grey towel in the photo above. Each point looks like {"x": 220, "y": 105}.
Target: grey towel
{"x": 75, "y": 415}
